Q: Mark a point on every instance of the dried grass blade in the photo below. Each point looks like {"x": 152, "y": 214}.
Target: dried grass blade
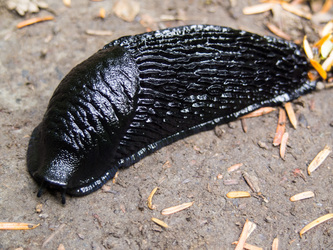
{"x": 259, "y": 112}
{"x": 258, "y": 8}
{"x": 319, "y": 68}
{"x": 275, "y": 30}
{"x": 302, "y": 196}
{"x": 17, "y": 226}
{"x": 328, "y": 29}
{"x": 33, "y": 21}
{"x": 319, "y": 159}
{"x": 280, "y": 129}
{"x": 275, "y": 244}
{"x": 238, "y": 194}
{"x": 314, "y": 223}
{"x": 327, "y": 64}
{"x": 294, "y": 10}
{"x": 291, "y": 114}
{"x": 242, "y": 238}
{"x": 252, "y": 181}
{"x": 150, "y": 198}
{"x": 248, "y": 246}
{"x": 160, "y": 222}
{"x": 234, "y": 167}
{"x": 283, "y": 145}
{"x": 175, "y": 209}
{"x": 307, "y": 48}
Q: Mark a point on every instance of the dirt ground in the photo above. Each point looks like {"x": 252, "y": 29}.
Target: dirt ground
{"x": 34, "y": 60}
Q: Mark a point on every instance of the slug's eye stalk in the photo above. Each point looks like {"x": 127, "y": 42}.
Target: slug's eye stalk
{"x": 62, "y": 192}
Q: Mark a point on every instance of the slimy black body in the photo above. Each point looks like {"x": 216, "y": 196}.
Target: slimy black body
{"x": 140, "y": 93}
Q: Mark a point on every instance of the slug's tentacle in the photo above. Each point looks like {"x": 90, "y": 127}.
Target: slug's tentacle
{"x": 140, "y": 93}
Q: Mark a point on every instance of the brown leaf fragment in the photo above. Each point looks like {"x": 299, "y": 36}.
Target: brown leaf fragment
{"x": 319, "y": 159}
{"x": 275, "y": 244}
{"x": 150, "y": 203}
{"x": 280, "y": 129}
{"x": 126, "y": 9}
{"x": 175, "y": 209}
{"x": 242, "y": 238}
{"x": 160, "y": 222}
{"x": 302, "y": 196}
{"x": 314, "y": 223}
{"x": 248, "y": 246}
{"x": 17, "y": 226}
{"x": 259, "y": 112}
{"x": 283, "y": 145}
{"x": 252, "y": 181}
{"x": 291, "y": 114}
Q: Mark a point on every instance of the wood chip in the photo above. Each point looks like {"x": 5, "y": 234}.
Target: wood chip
{"x": 33, "y": 21}
{"x": 258, "y": 8}
{"x": 296, "y": 11}
{"x": 243, "y": 236}
{"x": 307, "y": 48}
{"x": 275, "y": 30}
{"x": 160, "y": 222}
{"x": 248, "y": 246}
{"x": 314, "y": 223}
{"x": 175, "y": 209}
{"x": 283, "y": 145}
{"x": 275, "y": 244}
{"x": 319, "y": 159}
{"x": 17, "y": 226}
{"x": 302, "y": 196}
{"x": 280, "y": 129}
{"x": 291, "y": 114}
{"x": 238, "y": 194}
{"x": 234, "y": 167}
{"x": 319, "y": 69}
{"x": 259, "y": 112}
{"x": 150, "y": 204}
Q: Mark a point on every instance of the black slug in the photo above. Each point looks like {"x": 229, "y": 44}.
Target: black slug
{"x": 140, "y": 93}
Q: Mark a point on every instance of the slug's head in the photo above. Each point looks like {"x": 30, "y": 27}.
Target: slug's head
{"x": 73, "y": 148}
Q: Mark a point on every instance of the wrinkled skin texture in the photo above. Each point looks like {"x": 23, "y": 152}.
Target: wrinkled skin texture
{"x": 140, "y": 93}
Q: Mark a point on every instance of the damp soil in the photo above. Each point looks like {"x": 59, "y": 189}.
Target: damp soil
{"x": 34, "y": 60}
